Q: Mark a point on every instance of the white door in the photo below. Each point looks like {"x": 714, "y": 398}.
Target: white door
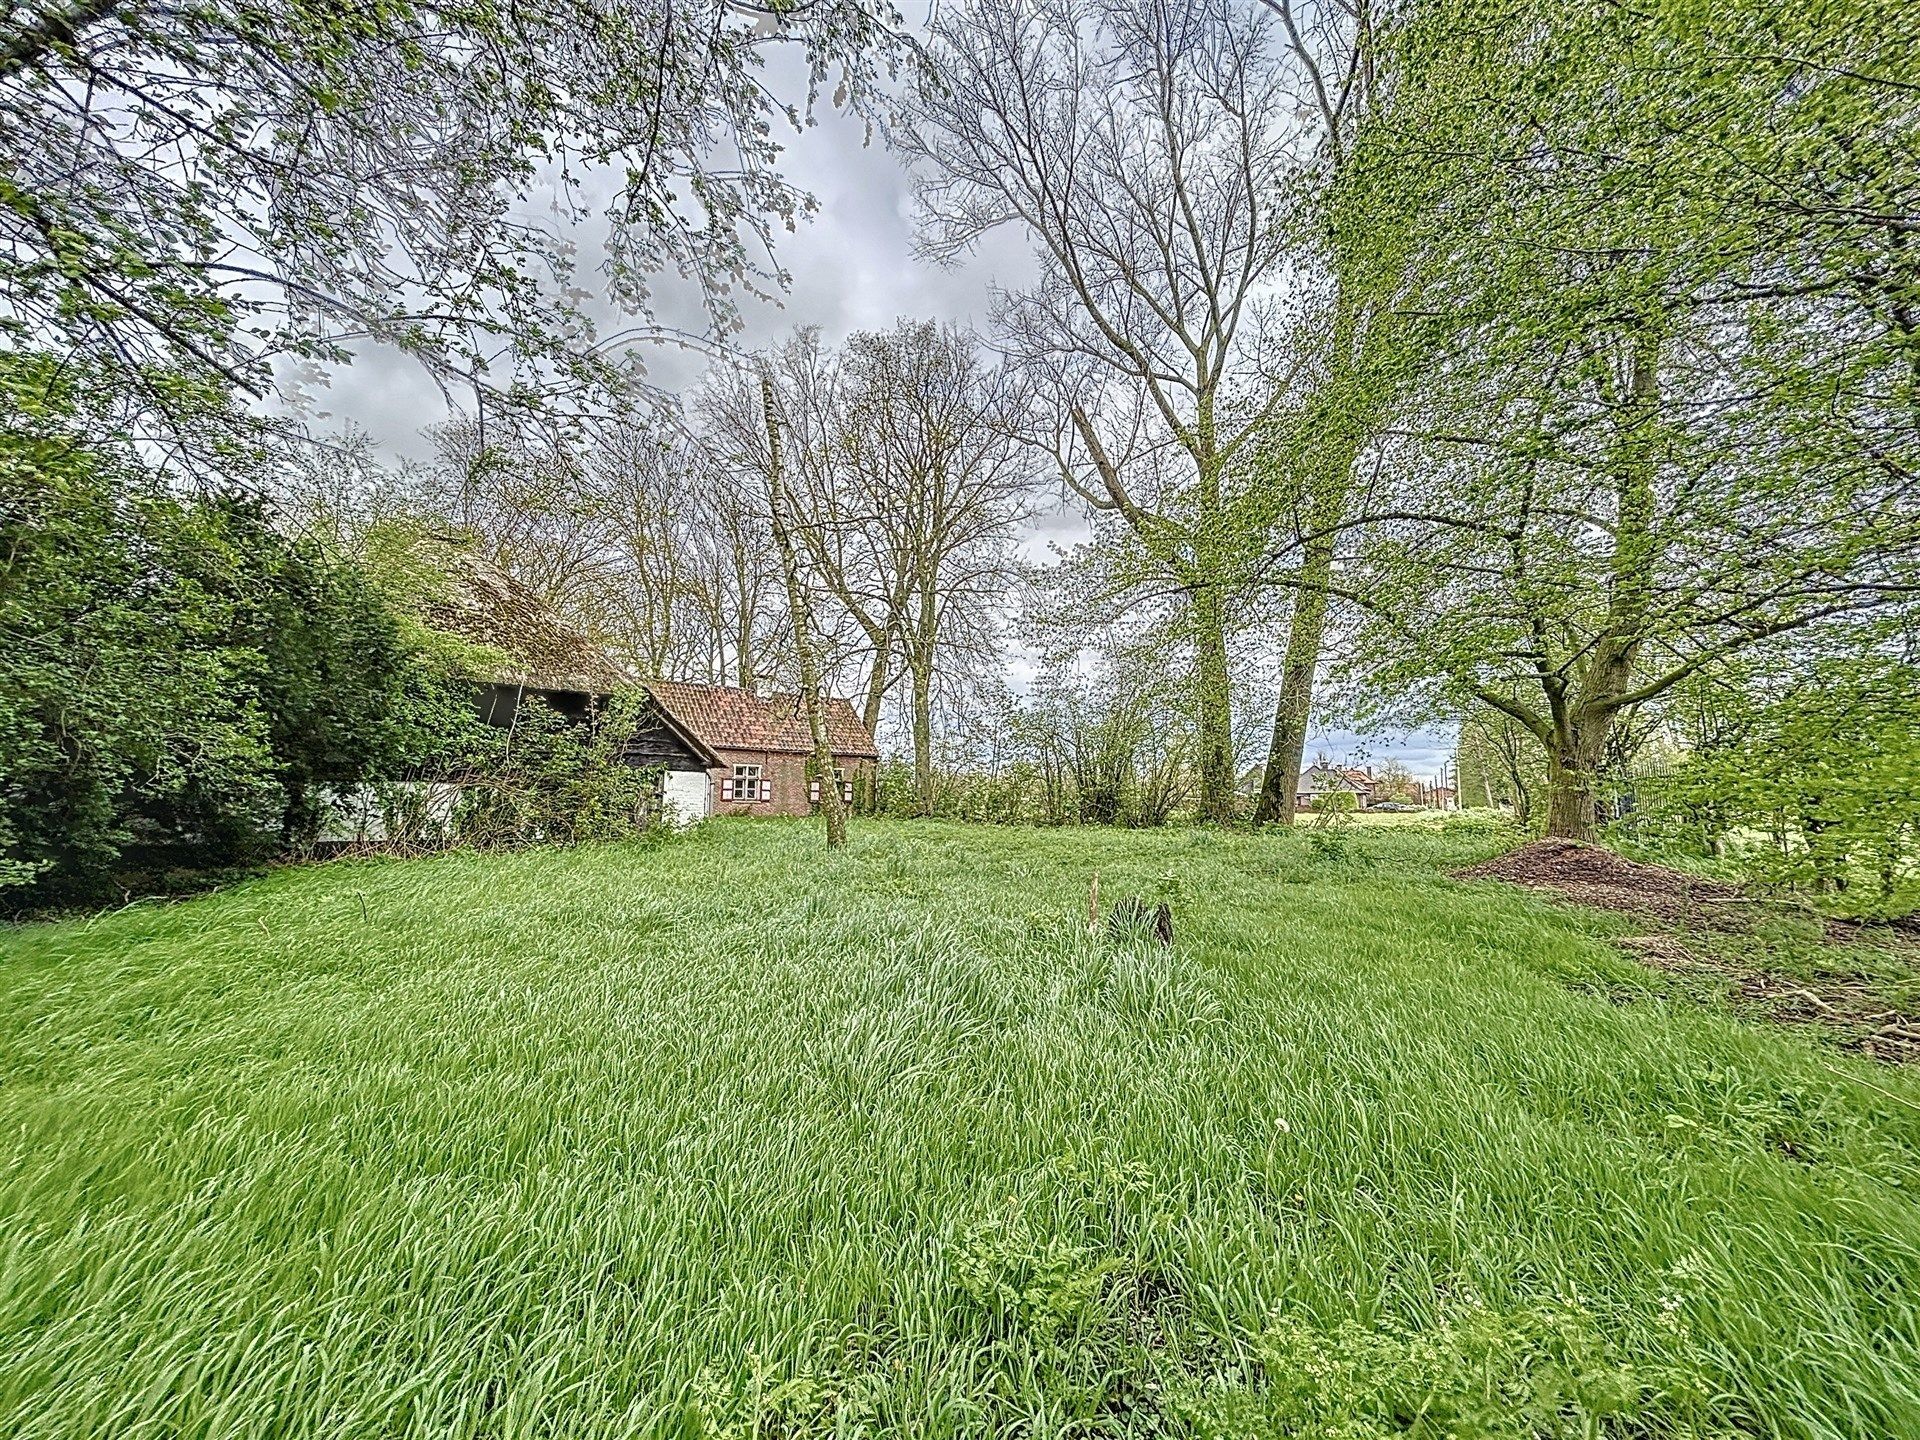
{"x": 684, "y": 796}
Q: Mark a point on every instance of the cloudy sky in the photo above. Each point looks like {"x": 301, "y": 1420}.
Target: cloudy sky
{"x": 853, "y": 267}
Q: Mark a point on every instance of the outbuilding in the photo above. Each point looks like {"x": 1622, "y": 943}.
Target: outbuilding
{"x": 720, "y": 749}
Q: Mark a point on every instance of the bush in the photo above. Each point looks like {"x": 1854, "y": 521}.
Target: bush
{"x": 548, "y": 780}
{"x": 1815, "y": 787}
{"x": 176, "y": 677}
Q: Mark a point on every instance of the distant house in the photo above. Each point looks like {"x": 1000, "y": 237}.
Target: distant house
{"x": 720, "y": 750}
{"x": 1318, "y": 781}
{"x": 761, "y": 747}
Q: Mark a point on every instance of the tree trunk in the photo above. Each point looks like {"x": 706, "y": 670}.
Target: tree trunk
{"x": 920, "y": 661}
{"x": 876, "y": 695}
{"x": 1579, "y": 747}
{"x": 1573, "y": 774}
{"x": 743, "y": 648}
{"x": 1329, "y": 479}
{"x": 1213, "y": 707}
{"x": 801, "y": 614}
{"x": 1280, "y": 786}
{"x": 923, "y": 733}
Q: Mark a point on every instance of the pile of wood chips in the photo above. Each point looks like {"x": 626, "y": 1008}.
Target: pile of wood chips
{"x": 1852, "y": 1008}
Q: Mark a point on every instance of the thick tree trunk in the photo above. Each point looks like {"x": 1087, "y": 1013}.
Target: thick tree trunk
{"x": 1213, "y": 707}
{"x": 876, "y": 695}
{"x": 1280, "y": 786}
{"x": 1329, "y": 479}
{"x": 920, "y": 648}
{"x": 1573, "y": 775}
{"x": 923, "y": 734}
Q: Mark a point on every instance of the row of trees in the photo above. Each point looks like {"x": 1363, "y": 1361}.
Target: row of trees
{"x": 177, "y": 674}
{"x": 1561, "y": 354}
{"x": 896, "y": 476}
{"x": 1534, "y": 362}
{"x": 204, "y": 205}
{"x": 1658, "y": 391}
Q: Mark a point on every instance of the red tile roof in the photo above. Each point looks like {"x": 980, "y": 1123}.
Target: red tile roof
{"x": 723, "y": 718}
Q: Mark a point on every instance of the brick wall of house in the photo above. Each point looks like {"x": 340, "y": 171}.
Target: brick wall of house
{"x": 788, "y": 774}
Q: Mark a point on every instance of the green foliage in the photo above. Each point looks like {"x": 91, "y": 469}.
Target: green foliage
{"x": 176, "y": 677}
{"x": 549, "y": 780}
{"x": 310, "y": 174}
{"x": 1335, "y": 806}
{"x": 1815, "y": 786}
{"x": 1658, "y": 332}
{"x": 1107, "y": 749}
{"x": 1545, "y": 1372}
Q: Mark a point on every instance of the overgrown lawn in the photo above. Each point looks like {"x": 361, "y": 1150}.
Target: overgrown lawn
{"x": 717, "y": 1136}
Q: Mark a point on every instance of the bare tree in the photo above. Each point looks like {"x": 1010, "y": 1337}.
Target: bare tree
{"x": 750, "y": 590}
{"x": 738, "y": 585}
{"x": 779, "y": 502}
{"x": 630, "y": 530}
{"x": 1142, "y": 144}
{"x": 522, "y": 494}
{"x": 650, "y": 499}
{"x": 941, "y": 483}
{"x": 837, "y": 521}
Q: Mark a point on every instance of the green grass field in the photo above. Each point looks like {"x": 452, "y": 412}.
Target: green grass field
{"x": 716, "y": 1136}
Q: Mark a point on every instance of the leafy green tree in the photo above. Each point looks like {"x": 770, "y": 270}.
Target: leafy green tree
{"x": 1664, "y": 307}
{"x": 192, "y": 190}
{"x": 1813, "y": 781}
{"x": 176, "y": 677}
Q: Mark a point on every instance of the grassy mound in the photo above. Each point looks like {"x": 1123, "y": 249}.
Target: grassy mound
{"x": 718, "y": 1137}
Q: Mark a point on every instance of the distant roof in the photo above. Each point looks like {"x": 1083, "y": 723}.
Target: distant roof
{"x": 484, "y": 605}
{"x": 1322, "y": 779}
{"x": 724, "y": 718}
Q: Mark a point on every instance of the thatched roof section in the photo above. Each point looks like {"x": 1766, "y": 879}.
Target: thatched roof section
{"x": 484, "y": 605}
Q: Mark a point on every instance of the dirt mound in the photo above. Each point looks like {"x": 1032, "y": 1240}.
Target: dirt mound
{"x": 1594, "y": 876}
{"x": 1852, "y": 1009}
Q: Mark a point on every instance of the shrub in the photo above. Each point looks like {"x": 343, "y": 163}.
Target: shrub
{"x": 175, "y": 675}
{"x": 548, "y": 780}
{"x": 1815, "y": 787}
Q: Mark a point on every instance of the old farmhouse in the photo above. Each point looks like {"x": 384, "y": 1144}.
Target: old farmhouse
{"x": 720, "y": 749}
{"x": 758, "y": 747}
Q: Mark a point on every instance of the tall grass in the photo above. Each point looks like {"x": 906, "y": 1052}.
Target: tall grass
{"x": 716, "y": 1135}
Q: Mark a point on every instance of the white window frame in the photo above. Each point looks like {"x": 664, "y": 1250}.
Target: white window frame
{"x": 846, "y": 787}
{"x": 748, "y": 785}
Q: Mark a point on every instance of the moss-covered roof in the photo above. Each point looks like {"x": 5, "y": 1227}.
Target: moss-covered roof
{"x": 523, "y": 639}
